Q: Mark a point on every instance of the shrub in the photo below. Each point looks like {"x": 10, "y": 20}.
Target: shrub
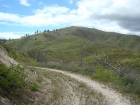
{"x": 34, "y": 87}
{"x": 131, "y": 82}
{"x": 137, "y": 88}
{"x": 105, "y": 75}
{"x": 39, "y": 79}
{"x": 129, "y": 79}
{"x": 11, "y": 78}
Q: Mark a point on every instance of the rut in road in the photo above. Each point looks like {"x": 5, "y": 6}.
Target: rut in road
{"x": 111, "y": 96}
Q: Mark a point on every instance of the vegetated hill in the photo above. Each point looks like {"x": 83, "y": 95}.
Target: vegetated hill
{"x": 21, "y": 85}
{"x": 34, "y": 86}
{"x": 94, "y": 35}
{"x": 112, "y": 38}
{"x": 85, "y": 50}
{"x": 98, "y": 36}
{"x": 79, "y": 44}
{"x": 19, "y": 56}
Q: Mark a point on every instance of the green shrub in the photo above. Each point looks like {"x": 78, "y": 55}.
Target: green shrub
{"x": 131, "y": 82}
{"x": 129, "y": 79}
{"x": 137, "y": 88}
{"x": 34, "y": 87}
{"x": 105, "y": 75}
{"x": 39, "y": 79}
{"x": 11, "y": 78}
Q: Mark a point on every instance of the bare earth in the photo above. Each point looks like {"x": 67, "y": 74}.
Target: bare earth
{"x": 5, "y": 59}
{"x": 111, "y": 96}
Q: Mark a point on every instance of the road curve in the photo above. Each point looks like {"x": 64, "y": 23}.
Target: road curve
{"x": 112, "y": 97}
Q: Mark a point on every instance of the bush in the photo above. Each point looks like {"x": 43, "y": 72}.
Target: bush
{"x": 137, "y": 88}
{"x": 34, "y": 87}
{"x": 11, "y": 78}
{"x": 52, "y": 64}
{"x": 131, "y": 82}
{"x": 129, "y": 79}
{"x": 105, "y": 75}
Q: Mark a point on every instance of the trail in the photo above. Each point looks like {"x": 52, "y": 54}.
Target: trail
{"x": 111, "y": 96}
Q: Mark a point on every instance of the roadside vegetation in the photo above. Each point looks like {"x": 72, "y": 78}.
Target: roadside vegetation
{"x": 15, "y": 83}
{"x": 12, "y": 80}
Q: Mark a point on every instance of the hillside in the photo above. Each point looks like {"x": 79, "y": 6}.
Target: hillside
{"x": 68, "y": 44}
{"x": 43, "y": 86}
{"x": 15, "y": 82}
{"x": 94, "y": 35}
{"x": 105, "y": 56}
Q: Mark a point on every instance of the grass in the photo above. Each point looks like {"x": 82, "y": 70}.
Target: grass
{"x": 12, "y": 82}
{"x": 11, "y": 77}
{"x": 105, "y": 75}
{"x": 34, "y": 87}
{"x": 39, "y": 80}
{"x": 45, "y": 75}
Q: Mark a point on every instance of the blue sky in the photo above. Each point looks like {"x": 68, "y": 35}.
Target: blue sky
{"x": 18, "y": 17}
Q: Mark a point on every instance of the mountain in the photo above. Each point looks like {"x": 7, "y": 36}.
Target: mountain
{"x": 79, "y": 44}
{"x": 94, "y": 35}
{"x": 112, "y": 38}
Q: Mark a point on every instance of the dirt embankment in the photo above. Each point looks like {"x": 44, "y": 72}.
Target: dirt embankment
{"x": 5, "y": 59}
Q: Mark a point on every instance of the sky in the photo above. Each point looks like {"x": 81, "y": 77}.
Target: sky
{"x": 21, "y": 17}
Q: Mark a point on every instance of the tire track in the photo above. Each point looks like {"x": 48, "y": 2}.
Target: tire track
{"x": 112, "y": 97}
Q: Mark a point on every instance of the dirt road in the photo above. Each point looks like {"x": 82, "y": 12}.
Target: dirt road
{"x": 111, "y": 96}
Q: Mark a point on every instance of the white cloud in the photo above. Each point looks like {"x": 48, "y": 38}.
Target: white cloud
{"x": 11, "y": 35}
{"x": 109, "y": 15}
{"x": 9, "y": 17}
{"x": 6, "y": 6}
{"x": 123, "y": 7}
{"x": 71, "y": 1}
{"x": 124, "y": 12}
{"x": 40, "y": 3}
{"x": 49, "y": 15}
{"x": 24, "y": 2}
{"x": 54, "y": 9}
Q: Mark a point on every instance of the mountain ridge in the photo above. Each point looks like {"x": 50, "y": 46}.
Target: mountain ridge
{"x": 94, "y": 35}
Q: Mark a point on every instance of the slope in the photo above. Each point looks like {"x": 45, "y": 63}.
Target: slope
{"x": 97, "y": 36}
{"x": 69, "y": 48}
{"x": 55, "y": 87}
